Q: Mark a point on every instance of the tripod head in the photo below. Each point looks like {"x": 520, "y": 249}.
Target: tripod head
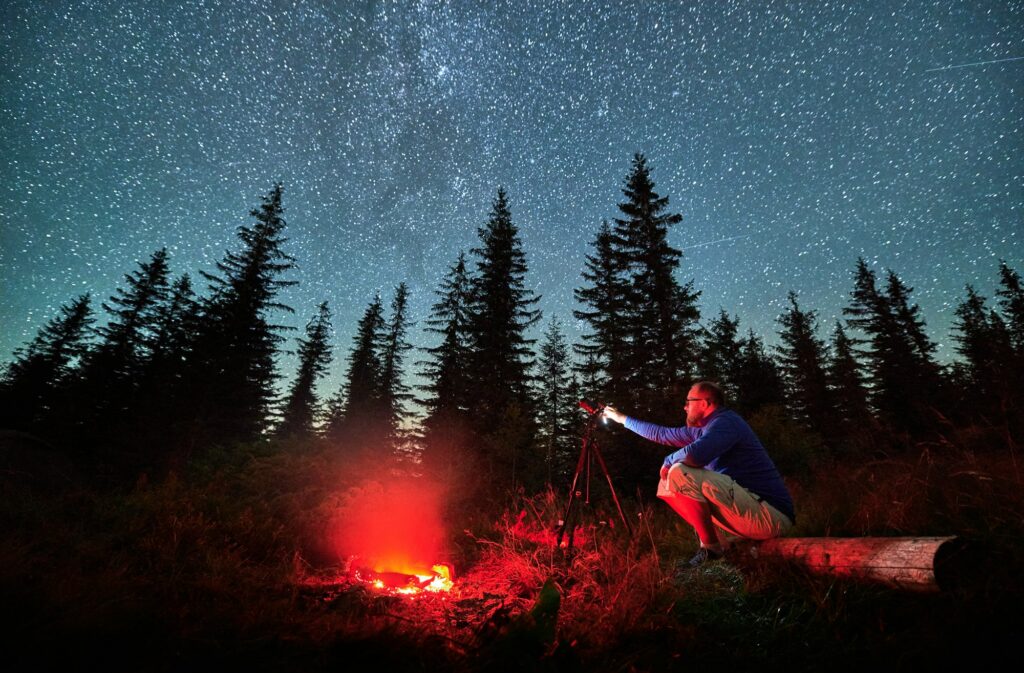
{"x": 591, "y": 408}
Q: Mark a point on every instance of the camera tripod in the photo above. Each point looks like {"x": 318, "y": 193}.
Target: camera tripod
{"x": 588, "y": 451}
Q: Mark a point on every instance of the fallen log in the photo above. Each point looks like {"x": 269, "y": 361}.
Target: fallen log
{"x": 910, "y": 563}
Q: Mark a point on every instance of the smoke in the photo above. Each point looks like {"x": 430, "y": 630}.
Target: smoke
{"x": 392, "y": 525}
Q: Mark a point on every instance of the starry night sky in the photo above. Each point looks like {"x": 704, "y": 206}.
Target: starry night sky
{"x": 792, "y": 137}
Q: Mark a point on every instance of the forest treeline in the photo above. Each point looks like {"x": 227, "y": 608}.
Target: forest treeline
{"x": 173, "y": 373}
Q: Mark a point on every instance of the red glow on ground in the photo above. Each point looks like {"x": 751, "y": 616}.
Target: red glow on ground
{"x": 392, "y": 528}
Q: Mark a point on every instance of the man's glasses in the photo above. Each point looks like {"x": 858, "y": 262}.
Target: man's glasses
{"x": 695, "y": 399}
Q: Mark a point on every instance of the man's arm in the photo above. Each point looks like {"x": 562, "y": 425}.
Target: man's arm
{"x": 656, "y": 433}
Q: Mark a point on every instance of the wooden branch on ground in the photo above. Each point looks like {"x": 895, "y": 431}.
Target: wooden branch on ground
{"x": 911, "y": 563}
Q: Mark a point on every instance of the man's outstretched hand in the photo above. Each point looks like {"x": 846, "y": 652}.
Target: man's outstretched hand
{"x": 615, "y": 415}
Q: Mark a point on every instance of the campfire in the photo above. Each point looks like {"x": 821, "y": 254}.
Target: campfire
{"x": 391, "y": 538}
{"x": 437, "y": 580}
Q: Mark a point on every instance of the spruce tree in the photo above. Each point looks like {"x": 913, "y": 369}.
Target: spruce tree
{"x": 721, "y": 356}
{"x": 301, "y": 407}
{"x": 40, "y": 370}
{"x": 802, "y": 360}
{"x": 1011, "y": 301}
{"x": 984, "y": 342}
{"x": 234, "y": 362}
{"x": 361, "y": 416}
{"x": 923, "y": 376}
{"x": 846, "y": 381}
{"x": 394, "y": 392}
{"x": 905, "y": 382}
{"x": 163, "y": 397}
{"x": 605, "y": 349}
{"x": 177, "y": 322}
{"x": 448, "y": 397}
{"x": 113, "y": 372}
{"x": 662, "y": 314}
{"x": 502, "y": 312}
{"x": 557, "y": 410}
{"x": 758, "y": 381}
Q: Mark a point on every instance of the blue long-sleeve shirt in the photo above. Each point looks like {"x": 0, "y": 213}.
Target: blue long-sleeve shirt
{"x": 725, "y": 444}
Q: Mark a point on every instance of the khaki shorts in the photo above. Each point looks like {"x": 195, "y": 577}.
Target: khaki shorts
{"x": 734, "y": 509}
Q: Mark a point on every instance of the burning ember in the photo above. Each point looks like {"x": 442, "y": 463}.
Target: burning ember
{"x": 438, "y": 580}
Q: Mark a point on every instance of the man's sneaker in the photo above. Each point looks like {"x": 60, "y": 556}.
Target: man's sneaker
{"x": 704, "y": 555}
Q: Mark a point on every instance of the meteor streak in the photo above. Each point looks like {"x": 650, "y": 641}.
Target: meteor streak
{"x": 968, "y": 65}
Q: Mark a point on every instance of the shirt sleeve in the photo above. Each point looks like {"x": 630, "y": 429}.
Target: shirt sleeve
{"x": 659, "y": 433}
{"x": 719, "y": 436}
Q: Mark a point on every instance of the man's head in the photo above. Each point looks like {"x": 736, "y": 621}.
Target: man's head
{"x": 702, "y": 400}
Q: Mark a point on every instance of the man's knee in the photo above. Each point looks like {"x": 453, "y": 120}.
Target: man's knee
{"x": 683, "y": 480}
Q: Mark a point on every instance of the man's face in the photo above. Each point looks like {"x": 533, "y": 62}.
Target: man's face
{"x": 696, "y": 408}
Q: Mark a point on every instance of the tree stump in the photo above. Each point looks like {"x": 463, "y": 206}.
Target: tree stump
{"x": 910, "y": 563}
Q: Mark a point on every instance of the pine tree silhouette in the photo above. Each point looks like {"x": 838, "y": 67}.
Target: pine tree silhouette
{"x": 605, "y": 349}
{"x": 846, "y": 381}
{"x": 163, "y": 397}
{"x": 905, "y": 382}
{"x": 758, "y": 380}
{"x": 301, "y": 406}
{"x": 112, "y": 373}
{"x": 557, "y": 408}
{"x": 987, "y": 371}
{"x": 802, "y": 360}
{"x": 1011, "y": 301}
{"x": 394, "y": 392}
{"x": 448, "y": 397}
{"x": 233, "y": 367}
{"x": 721, "y": 357}
{"x": 361, "y": 416}
{"x": 502, "y": 312}
{"x": 662, "y": 315}
{"x": 37, "y": 376}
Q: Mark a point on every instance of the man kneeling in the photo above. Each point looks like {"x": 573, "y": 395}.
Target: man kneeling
{"x": 721, "y": 476}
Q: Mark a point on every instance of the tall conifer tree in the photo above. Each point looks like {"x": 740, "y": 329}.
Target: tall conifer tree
{"x": 721, "y": 357}
{"x": 361, "y": 416}
{"x": 503, "y": 310}
{"x": 905, "y": 382}
{"x": 113, "y": 372}
{"x": 846, "y": 381}
{"x": 393, "y": 389}
{"x": 802, "y": 359}
{"x": 234, "y": 367}
{"x": 985, "y": 344}
{"x": 40, "y": 370}
{"x": 1011, "y": 301}
{"x": 163, "y": 398}
{"x": 446, "y": 370}
{"x": 558, "y": 399}
{"x": 302, "y": 405}
{"x": 605, "y": 349}
{"x": 662, "y": 314}
{"x": 758, "y": 380}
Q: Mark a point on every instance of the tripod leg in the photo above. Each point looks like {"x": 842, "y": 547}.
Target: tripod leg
{"x": 572, "y": 499}
{"x": 615, "y": 497}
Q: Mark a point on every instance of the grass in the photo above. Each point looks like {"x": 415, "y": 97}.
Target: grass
{"x": 232, "y": 565}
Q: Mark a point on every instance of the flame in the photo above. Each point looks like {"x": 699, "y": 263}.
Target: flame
{"x": 439, "y": 580}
